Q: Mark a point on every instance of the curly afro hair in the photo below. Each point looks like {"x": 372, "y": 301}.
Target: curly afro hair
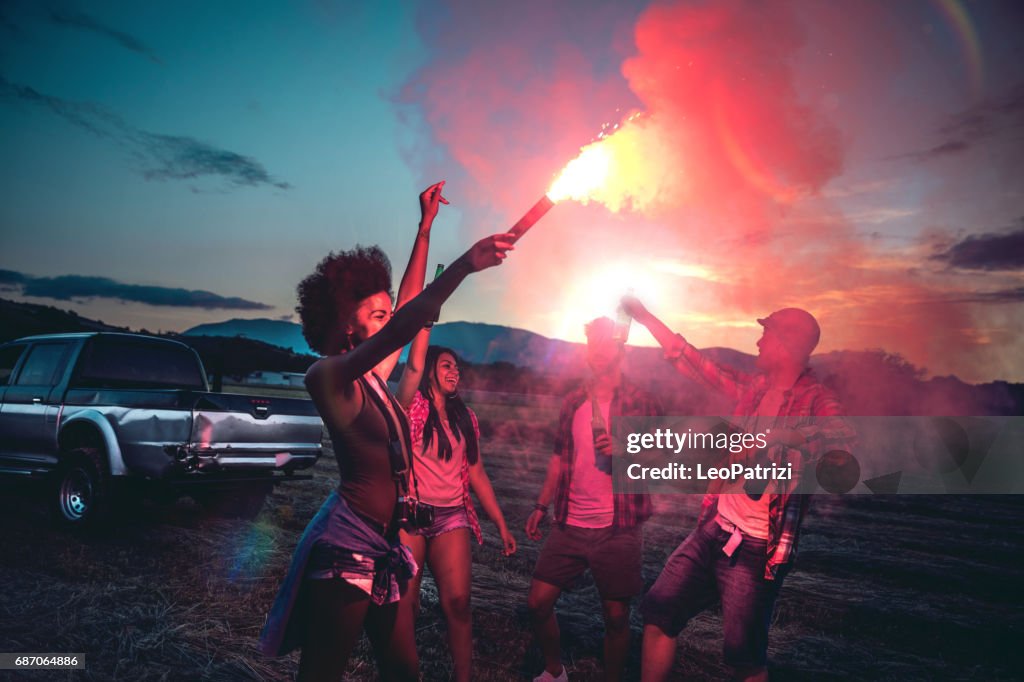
{"x": 339, "y": 282}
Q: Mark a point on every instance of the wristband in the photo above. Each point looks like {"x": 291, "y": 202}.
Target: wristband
{"x": 542, "y": 508}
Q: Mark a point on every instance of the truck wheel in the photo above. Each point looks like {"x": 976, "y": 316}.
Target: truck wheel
{"x": 80, "y": 495}
{"x": 237, "y": 503}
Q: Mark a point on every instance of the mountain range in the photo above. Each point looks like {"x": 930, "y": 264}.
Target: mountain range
{"x": 872, "y": 382}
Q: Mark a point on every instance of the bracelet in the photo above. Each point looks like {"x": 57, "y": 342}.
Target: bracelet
{"x": 542, "y": 508}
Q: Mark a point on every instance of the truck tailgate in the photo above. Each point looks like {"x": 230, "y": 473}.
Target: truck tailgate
{"x": 245, "y": 432}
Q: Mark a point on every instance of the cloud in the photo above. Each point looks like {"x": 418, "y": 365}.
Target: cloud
{"x": 182, "y": 158}
{"x": 880, "y": 215}
{"x": 1014, "y": 295}
{"x": 163, "y": 157}
{"x": 860, "y": 188}
{"x": 990, "y": 118}
{"x": 945, "y": 149}
{"x": 991, "y": 251}
{"x": 84, "y": 22}
{"x": 68, "y": 287}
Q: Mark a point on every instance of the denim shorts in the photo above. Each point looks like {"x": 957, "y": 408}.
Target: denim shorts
{"x": 613, "y": 555}
{"x": 337, "y": 544}
{"x": 446, "y": 519}
{"x": 698, "y": 573}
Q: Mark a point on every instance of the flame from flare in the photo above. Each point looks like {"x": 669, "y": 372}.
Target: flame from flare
{"x": 583, "y": 175}
{"x": 628, "y": 167}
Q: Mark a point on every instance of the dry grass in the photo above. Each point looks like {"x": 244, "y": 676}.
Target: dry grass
{"x": 886, "y": 588}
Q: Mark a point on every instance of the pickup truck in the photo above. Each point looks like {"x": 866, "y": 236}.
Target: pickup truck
{"x": 97, "y": 414}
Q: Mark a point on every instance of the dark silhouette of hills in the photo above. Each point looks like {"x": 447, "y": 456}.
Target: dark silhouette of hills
{"x": 512, "y": 360}
{"x": 236, "y": 357}
{"x": 27, "y": 319}
{"x": 222, "y": 356}
{"x": 476, "y": 342}
{"x": 506, "y": 359}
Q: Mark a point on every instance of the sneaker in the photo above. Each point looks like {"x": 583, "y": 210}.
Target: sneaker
{"x": 548, "y": 677}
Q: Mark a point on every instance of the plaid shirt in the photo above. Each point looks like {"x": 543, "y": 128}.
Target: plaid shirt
{"x": 808, "y": 407}
{"x": 631, "y": 508}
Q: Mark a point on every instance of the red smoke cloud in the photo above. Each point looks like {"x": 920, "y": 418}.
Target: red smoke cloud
{"x": 721, "y": 217}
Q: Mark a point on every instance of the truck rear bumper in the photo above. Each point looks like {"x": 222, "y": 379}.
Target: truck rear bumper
{"x": 236, "y": 460}
{"x": 283, "y": 461}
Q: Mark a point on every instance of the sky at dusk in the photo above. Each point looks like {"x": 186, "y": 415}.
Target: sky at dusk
{"x": 169, "y": 164}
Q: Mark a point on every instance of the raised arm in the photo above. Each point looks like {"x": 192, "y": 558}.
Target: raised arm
{"x": 413, "y": 372}
{"x": 335, "y": 370}
{"x": 684, "y": 356}
{"x": 415, "y": 271}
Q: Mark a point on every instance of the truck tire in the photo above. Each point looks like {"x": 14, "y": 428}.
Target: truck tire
{"x": 80, "y": 495}
{"x": 242, "y": 502}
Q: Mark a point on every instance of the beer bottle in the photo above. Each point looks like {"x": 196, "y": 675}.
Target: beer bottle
{"x": 622, "y": 321}
{"x": 599, "y": 428}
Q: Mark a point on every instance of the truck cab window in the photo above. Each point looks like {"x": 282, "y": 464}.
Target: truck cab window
{"x": 43, "y": 366}
{"x": 115, "y": 362}
{"x": 8, "y": 359}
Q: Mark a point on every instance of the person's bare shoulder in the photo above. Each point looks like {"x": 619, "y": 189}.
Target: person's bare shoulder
{"x": 315, "y": 374}
{"x": 337, "y": 401}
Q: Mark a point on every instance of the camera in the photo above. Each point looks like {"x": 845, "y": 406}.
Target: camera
{"x": 411, "y": 514}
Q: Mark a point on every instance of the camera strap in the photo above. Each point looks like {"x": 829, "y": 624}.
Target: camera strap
{"x": 398, "y": 445}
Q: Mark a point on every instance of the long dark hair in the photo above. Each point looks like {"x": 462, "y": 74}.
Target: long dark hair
{"x": 459, "y": 420}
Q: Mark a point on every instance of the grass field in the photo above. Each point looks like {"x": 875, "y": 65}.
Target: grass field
{"x": 886, "y": 587}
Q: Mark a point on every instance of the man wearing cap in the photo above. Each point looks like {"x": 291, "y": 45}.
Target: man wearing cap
{"x": 594, "y": 527}
{"x": 746, "y": 536}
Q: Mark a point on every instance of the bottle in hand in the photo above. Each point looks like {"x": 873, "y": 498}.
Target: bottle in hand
{"x": 599, "y": 428}
{"x": 623, "y": 320}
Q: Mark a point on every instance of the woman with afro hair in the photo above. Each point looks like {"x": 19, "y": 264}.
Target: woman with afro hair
{"x": 350, "y": 569}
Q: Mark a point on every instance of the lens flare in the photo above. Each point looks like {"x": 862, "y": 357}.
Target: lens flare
{"x": 959, "y": 18}
{"x": 597, "y": 294}
{"x": 252, "y": 551}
